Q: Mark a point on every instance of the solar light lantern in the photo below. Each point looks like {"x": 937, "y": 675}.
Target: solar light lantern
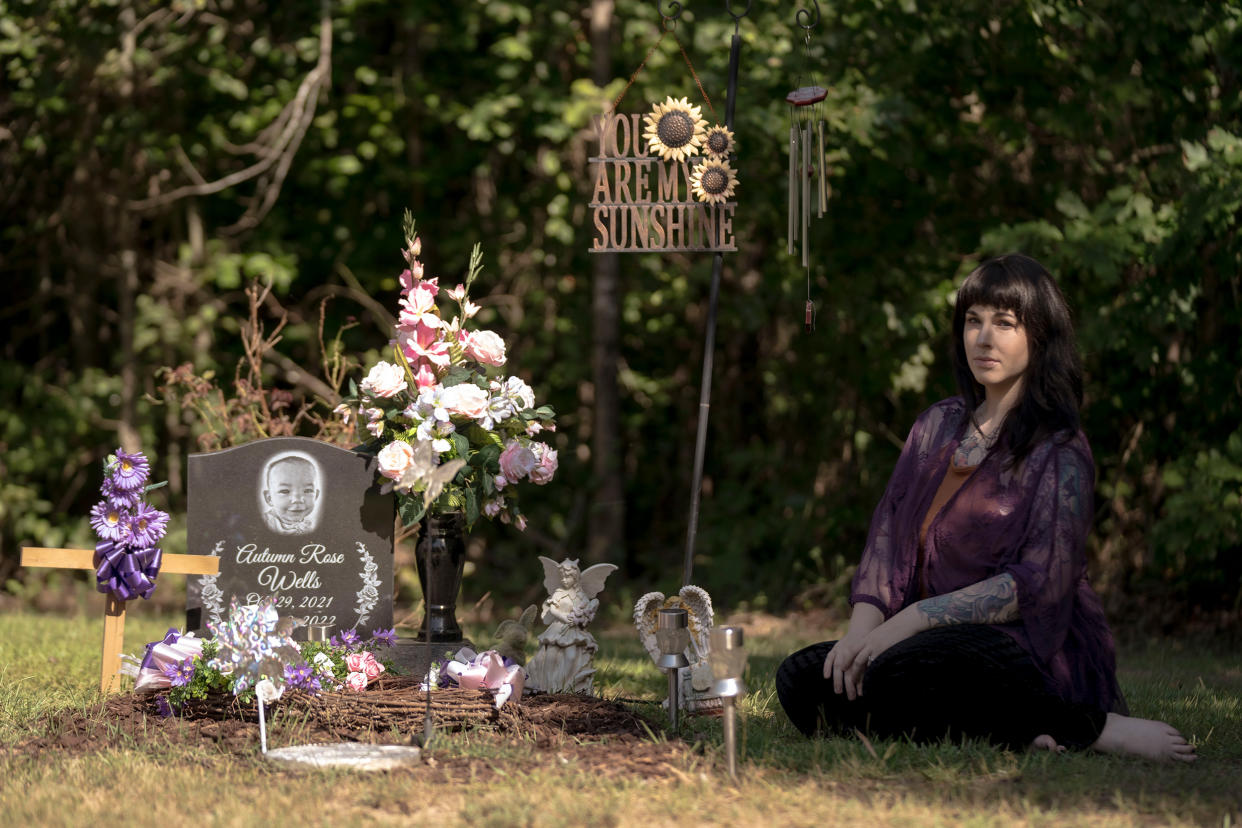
{"x": 728, "y": 664}
{"x": 673, "y": 637}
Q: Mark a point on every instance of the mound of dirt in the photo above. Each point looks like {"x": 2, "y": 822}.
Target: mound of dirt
{"x": 602, "y": 735}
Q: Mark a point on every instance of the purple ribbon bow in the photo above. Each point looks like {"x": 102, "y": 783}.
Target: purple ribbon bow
{"x": 171, "y": 637}
{"x": 124, "y": 572}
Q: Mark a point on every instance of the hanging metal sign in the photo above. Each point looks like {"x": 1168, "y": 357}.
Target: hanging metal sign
{"x": 651, "y": 193}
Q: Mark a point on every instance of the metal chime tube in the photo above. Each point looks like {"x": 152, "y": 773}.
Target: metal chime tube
{"x": 793, "y": 185}
{"x": 806, "y": 195}
{"x": 823, "y": 172}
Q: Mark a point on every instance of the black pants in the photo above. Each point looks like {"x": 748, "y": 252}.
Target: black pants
{"x": 966, "y": 680}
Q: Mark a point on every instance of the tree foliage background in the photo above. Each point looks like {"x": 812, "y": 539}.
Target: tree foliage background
{"x": 158, "y": 157}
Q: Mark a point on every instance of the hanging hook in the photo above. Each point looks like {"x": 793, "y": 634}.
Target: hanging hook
{"x": 804, "y": 18}
{"x": 737, "y": 18}
{"x": 674, "y": 12}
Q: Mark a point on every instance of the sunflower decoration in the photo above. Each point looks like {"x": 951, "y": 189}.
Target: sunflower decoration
{"x": 719, "y": 142}
{"x": 674, "y": 129}
{"x": 713, "y": 181}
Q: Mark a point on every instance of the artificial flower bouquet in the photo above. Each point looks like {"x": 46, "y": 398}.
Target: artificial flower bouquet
{"x": 452, "y": 432}
{"x": 127, "y": 557}
{"x": 251, "y": 653}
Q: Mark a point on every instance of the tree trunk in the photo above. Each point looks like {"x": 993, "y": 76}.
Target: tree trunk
{"x": 606, "y": 527}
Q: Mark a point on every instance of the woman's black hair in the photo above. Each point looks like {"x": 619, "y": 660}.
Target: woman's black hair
{"x": 1052, "y": 384}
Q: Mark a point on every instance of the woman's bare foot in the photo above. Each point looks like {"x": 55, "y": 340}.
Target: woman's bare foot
{"x": 1143, "y": 737}
{"x": 1046, "y": 742}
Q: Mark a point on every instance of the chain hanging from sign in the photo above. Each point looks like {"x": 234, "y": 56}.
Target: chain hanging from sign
{"x": 663, "y": 181}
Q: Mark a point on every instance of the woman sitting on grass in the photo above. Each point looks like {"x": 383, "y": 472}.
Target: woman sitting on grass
{"x": 972, "y": 611}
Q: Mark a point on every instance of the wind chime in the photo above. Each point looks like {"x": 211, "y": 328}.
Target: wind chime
{"x": 807, "y": 170}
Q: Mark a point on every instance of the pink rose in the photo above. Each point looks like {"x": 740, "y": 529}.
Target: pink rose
{"x": 356, "y": 682}
{"x": 516, "y": 461}
{"x": 354, "y": 662}
{"x": 486, "y": 347}
{"x": 466, "y": 400}
{"x": 370, "y": 667}
{"x": 385, "y": 380}
{"x": 542, "y": 474}
{"x": 395, "y": 458}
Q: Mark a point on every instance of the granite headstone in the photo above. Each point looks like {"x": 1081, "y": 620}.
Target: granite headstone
{"x": 296, "y": 519}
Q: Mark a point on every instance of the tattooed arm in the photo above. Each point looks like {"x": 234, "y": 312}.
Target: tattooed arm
{"x": 993, "y": 601}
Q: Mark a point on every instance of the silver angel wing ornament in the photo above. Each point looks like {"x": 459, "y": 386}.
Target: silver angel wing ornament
{"x": 646, "y": 616}
{"x": 698, "y": 605}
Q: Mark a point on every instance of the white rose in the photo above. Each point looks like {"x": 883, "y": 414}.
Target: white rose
{"x": 486, "y": 347}
{"x": 516, "y": 388}
{"x": 466, "y": 400}
{"x": 395, "y": 458}
{"x": 323, "y": 664}
{"x": 384, "y": 380}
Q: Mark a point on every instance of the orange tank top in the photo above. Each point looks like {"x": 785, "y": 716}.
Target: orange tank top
{"x": 954, "y": 478}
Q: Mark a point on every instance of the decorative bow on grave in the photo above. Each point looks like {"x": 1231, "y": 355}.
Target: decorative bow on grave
{"x": 169, "y": 653}
{"x": 124, "y": 572}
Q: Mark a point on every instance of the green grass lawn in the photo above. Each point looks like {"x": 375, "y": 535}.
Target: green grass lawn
{"x": 49, "y": 663}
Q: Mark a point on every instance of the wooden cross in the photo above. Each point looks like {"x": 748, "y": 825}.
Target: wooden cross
{"x": 114, "y": 610}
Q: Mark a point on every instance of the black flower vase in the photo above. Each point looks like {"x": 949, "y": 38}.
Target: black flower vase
{"x": 441, "y": 554}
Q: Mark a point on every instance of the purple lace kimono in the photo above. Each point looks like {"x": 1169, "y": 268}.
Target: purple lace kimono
{"x": 1030, "y": 521}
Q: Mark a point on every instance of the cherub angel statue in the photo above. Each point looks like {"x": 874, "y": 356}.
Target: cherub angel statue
{"x": 563, "y": 662}
{"x": 695, "y": 680}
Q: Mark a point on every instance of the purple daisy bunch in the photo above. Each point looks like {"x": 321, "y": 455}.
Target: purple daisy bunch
{"x": 148, "y": 525}
{"x": 302, "y": 677}
{"x": 129, "y": 472}
{"x": 179, "y": 673}
{"x": 119, "y": 498}
{"x": 109, "y": 522}
{"x": 347, "y": 638}
{"x": 386, "y": 637}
